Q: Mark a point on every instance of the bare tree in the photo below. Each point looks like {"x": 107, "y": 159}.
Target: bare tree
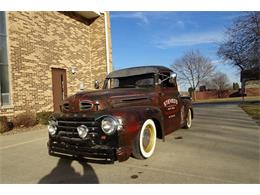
{"x": 220, "y": 81}
{"x": 192, "y": 68}
{"x": 242, "y": 44}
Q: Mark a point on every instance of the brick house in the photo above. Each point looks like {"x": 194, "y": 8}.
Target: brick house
{"x": 250, "y": 80}
{"x": 46, "y": 56}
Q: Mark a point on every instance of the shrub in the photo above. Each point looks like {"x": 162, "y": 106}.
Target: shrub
{"x": 26, "y": 119}
{"x": 42, "y": 117}
{"x": 10, "y": 125}
{"x": 3, "y": 124}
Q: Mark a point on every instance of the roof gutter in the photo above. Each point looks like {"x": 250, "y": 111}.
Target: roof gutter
{"x": 107, "y": 43}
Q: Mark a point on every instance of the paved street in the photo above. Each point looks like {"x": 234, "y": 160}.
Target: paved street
{"x": 223, "y": 146}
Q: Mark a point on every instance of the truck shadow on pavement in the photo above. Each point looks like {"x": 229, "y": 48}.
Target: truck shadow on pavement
{"x": 64, "y": 173}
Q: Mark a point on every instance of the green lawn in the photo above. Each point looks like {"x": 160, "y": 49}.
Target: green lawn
{"x": 253, "y": 109}
{"x": 234, "y": 99}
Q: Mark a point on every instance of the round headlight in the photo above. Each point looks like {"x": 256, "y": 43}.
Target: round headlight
{"x": 109, "y": 125}
{"x": 82, "y": 131}
{"x": 52, "y": 129}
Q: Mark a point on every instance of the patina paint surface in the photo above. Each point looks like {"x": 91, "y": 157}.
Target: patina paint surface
{"x": 132, "y": 106}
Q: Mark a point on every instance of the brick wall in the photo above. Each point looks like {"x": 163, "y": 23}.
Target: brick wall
{"x": 39, "y": 41}
{"x": 252, "y": 88}
{"x": 202, "y": 95}
{"x": 253, "y": 91}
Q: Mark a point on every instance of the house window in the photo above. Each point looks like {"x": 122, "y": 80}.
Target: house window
{"x": 4, "y": 73}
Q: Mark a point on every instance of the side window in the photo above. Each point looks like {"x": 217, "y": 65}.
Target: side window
{"x": 146, "y": 82}
{"x": 165, "y": 80}
{"x": 4, "y": 73}
{"x": 114, "y": 83}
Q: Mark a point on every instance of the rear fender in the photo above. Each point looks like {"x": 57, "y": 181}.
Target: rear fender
{"x": 187, "y": 105}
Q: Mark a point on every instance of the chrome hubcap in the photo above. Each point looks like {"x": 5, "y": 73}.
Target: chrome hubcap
{"x": 148, "y": 138}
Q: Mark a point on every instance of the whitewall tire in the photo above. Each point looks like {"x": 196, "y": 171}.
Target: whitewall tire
{"x": 144, "y": 144}
{"x": 188, "y": 120}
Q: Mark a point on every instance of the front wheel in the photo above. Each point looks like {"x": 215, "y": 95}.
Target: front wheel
{"x": 188, "y": 120}
{"x": 145, "y": 141}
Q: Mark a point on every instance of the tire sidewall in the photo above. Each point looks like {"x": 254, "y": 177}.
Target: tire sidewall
{"x": 142, "y": 151}
{"x": 189, "y": 119}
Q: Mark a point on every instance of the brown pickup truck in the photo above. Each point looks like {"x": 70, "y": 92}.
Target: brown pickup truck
{"x": 135, "y": 106}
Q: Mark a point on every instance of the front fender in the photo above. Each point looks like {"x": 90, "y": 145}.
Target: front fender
{"x": 133, "y": 119}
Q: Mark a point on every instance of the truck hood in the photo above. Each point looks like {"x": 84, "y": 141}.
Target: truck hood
{"x": 107, "y": 98}
{"x": 112, "y": 94}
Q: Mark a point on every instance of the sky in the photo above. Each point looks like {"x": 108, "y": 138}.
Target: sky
{"x": 159, "y": 38}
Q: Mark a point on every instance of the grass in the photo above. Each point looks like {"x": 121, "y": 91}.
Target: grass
{"x": 252, "y": 109}
{"x": 234, "y": 99}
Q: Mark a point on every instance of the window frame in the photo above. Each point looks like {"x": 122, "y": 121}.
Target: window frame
{"x": 165, "y": 80}
{"x": 6, "y": 35}
{"x": 107, "y": 82}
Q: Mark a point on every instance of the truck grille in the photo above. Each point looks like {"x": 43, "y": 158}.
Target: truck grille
{"x": 66, "y": 106}
{"x": 85, "y": 105}
{"x": 68, "y": 129}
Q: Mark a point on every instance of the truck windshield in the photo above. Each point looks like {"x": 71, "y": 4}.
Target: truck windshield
{"x": 138, "y": 81}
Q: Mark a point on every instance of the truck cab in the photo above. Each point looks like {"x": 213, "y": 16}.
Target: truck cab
{"x": 134, "y": 107}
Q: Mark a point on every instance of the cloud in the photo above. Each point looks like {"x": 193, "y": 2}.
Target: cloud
{"x": 135, "y": 15}
{"x": 147, "y": 17}
{"x": 189, "y": 39}
{"x": 221, "y": 63}
{"x": 180, "y": 23}
{"x": 216, "y": 62}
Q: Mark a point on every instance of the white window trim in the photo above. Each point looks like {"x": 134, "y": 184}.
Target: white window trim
{"x": 9, "y": 64}
{"x": 107, "y": 43}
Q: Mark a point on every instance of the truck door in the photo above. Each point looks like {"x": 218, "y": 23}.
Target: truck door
{"x": 170, "y": 103}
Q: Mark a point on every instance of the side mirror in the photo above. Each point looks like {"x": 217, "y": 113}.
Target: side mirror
{"x": 96, "y": 84}
{"x": 173, "y": 77}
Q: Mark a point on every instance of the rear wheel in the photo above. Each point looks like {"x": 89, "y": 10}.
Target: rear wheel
{"x": 145, "y": 141}
{"x": 188, "y": 120}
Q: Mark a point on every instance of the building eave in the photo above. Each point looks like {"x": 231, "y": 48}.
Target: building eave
{"x": 89, "y": 14}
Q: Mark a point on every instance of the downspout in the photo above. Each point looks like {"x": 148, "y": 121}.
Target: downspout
{"x": 107, "y": 44}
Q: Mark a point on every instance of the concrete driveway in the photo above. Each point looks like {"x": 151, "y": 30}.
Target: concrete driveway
{"x": 222, "y": 147}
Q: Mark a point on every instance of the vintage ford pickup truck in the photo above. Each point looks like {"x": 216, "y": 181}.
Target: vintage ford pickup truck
{"x": 135, "y": 106}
